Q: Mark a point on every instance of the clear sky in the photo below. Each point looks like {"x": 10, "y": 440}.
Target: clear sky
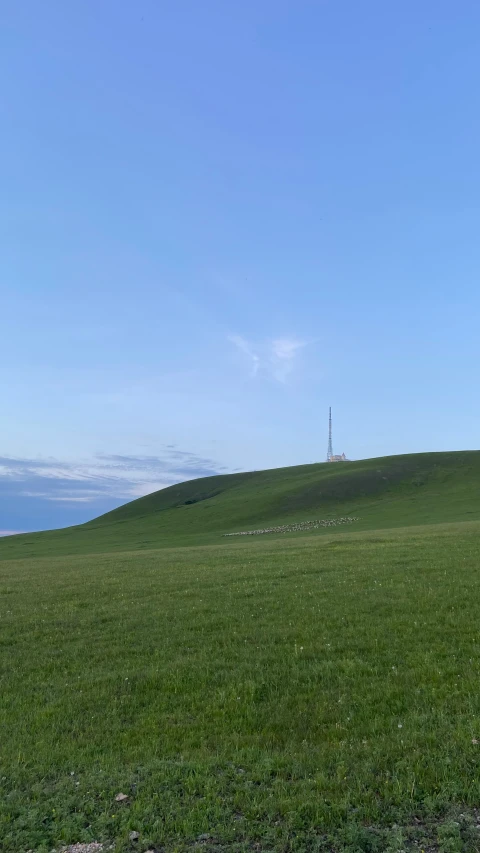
{"x": 217, "y": 219}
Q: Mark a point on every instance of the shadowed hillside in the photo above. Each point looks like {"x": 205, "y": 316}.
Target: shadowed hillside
{"x": 392, "y": 491}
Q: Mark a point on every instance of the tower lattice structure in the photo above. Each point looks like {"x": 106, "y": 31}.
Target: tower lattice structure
{"x": 330, "y": 446}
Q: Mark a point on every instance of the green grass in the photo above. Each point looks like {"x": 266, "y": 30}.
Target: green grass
{"x": 308, "y": 691}
{"x": 394, "y": 491}
{"x": 294, "y": 693}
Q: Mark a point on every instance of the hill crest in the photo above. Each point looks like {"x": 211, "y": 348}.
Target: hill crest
{"x": 391, "y": 491}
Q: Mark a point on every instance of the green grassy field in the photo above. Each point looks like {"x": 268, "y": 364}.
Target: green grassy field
{"x": 314, "y": 691}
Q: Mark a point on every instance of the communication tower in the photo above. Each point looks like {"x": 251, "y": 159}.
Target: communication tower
{"x": 330, "y": 446}
{"x": 331, "y": 457}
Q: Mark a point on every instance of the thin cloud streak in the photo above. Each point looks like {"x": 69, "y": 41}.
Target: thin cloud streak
{"x": 105, "y": 476}
{"x": 246, "y": 348}
{"x": 274, "y": 359}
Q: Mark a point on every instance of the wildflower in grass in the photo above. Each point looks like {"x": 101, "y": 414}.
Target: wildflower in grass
{"x": 474, "y": 741}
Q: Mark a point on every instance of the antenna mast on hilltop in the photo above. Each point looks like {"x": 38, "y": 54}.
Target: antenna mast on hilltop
{"x": 330, "y": 456}
{"x": 330, "y": 447}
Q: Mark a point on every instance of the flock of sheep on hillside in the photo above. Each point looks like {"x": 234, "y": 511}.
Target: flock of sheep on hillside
{"x": 300, "y": 525}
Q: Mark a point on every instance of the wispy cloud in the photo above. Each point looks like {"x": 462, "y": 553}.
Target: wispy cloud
{"x": 273, "y": 358}
{"x": 104, "y": 476}
{"x": 248, "y": 350}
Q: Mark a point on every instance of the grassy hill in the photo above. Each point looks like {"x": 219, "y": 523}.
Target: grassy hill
{"x": 393, "y": 491}
{"x": 304, "y": 692}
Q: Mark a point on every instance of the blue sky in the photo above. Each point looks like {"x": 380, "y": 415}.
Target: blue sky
{"x": 216, "y": 220}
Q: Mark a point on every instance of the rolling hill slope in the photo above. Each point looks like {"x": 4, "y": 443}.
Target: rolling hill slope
{"x": 306, "y": 691}
{"x": 385, "y": 492}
